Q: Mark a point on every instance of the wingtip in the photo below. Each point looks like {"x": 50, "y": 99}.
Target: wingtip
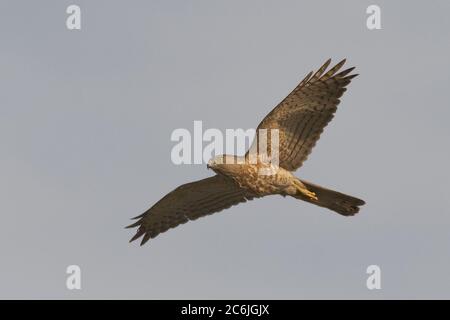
{"x": 340, "y": 63}
{"x": 138, "y": 234}
{"x": 145, "y": 239}
{"x": 137, "y": 217}
{"x": 133, "y": 225}
{"x": 345, "y": 72}
{"x": 133, "y": 238}
{"x": 325, "y": 65}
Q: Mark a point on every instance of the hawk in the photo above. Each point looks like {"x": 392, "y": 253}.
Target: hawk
{"x": 300, "y": 119}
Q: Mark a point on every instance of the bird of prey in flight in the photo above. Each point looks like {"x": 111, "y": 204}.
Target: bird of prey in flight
{"x": 300, "y": 119}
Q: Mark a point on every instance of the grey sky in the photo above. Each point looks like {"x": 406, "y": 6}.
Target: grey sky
{"x": 85, "y": 124}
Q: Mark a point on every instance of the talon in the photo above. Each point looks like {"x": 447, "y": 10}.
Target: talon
{"x": 312, "y": 196}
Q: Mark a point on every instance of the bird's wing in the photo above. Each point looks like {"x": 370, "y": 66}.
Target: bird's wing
{"x": 304, "y": 113}
{"x": 189, "y": 202}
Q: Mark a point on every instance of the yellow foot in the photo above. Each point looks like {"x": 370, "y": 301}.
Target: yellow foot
{"x": 311, "y": 195}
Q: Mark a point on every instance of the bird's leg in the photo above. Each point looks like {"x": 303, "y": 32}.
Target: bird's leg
{"x": 311, "y": 195}
{"x": 302, "y": 190}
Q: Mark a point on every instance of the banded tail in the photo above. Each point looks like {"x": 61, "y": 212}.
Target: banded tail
{"x": 341, "y": 203}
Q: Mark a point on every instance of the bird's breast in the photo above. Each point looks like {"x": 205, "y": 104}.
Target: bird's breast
{"x": 262, "y": 180}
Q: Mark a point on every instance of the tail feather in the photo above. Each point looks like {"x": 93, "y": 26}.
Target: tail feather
{"x": 341, "y": 203}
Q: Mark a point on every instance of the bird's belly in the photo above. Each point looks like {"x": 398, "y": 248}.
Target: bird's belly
{"x": 264, "y": 182}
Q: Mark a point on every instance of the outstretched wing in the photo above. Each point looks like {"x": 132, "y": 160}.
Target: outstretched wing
{"x": 304, "y": 113}
{"x": 189, "y": 202}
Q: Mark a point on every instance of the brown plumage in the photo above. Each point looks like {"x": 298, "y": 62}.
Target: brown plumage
{"x": 299, "y": 119}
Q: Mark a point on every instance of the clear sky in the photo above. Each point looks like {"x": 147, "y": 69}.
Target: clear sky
{"x": 85, "y": 124}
